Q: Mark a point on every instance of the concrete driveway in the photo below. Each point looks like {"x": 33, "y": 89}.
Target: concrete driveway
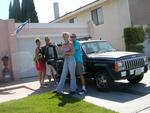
{"x": 125, "y": 98}
{"x": 20, "y": 89}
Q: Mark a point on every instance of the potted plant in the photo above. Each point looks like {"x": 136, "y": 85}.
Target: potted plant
{"x": 6, "y": 71}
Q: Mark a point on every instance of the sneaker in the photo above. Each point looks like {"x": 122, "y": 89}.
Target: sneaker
{"x": 58, "y": 92}
{"x": 83, "y": 92}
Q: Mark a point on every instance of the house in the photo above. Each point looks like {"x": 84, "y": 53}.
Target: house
{"x": 103, "y": 19}
{"x": 110, "y": 17}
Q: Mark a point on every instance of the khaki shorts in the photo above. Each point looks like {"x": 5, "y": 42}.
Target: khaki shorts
{"x": 79, "y": 68}
{"x": 50, "y": 70}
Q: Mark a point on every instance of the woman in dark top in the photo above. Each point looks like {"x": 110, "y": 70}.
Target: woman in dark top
{"x": 39, "y": 62}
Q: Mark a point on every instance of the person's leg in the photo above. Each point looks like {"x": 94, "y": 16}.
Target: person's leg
{"x": 82, "y": 79}
{"x": 48, "y": 73}
{"x": 49, "y": 78}
{"x": 83, "y": 91}
{"x": 72, "y": 67}
{"x": 43, "y": 72}
{"x": 40, "y": 78}
{"x": 80, "y": 72}
{"x": 53, "y": 73}
{"x": 63, "y": 77}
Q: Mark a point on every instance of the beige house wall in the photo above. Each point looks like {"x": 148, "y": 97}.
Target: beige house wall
{"x": 116, "y": 18}
{"x": 4, "y": 46}
{"x": 8, "y": 46}
{"x": 140, "y": 12}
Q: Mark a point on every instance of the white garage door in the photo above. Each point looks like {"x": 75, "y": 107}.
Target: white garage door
{"x": 26, "y": 49}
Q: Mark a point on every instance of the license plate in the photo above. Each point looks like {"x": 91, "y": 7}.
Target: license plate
{"x": 138, "y": 71}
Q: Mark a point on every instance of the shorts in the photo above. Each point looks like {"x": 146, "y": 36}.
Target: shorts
{"x": 79, "y": 68}
{"x": 50, "y": 70}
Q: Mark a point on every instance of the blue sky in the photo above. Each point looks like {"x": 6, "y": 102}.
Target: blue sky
{"x": 44, "y": 8}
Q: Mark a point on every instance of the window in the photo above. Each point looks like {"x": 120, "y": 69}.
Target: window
{"x": 97, "y": 16}
{"x": 51, "y": 52}
{"x": 71, "y": 20}
{"x": 60, "y": 53}
{"x": 97, "y": 47}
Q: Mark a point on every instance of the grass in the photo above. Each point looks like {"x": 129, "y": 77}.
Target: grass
{"x": 50, "y": 103}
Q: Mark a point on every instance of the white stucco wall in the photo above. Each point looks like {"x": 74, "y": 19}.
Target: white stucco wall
{"x": 26, "y": 45}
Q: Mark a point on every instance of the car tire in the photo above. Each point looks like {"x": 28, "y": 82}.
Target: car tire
{"x": 103, "y": 81}
{"x": 136, "y": 79}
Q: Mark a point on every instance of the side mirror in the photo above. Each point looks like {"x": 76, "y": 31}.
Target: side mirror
{"x": 117, "y": 50}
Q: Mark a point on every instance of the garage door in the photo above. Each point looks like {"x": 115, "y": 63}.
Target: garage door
{"x": 26, "y": 54}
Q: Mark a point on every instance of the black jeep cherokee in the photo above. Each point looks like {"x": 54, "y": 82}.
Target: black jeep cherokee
{"x": 105, "y": 64}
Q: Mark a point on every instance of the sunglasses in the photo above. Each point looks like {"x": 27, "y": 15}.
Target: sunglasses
{"x": 73, "y": 37}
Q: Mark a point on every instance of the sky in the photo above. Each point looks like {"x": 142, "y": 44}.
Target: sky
{"x": 44, "y": 8}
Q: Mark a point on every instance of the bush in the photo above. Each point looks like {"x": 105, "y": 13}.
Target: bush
{"x": 133, "y": 36}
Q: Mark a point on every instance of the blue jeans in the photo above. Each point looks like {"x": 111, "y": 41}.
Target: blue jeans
{"x": 69, "y": 65}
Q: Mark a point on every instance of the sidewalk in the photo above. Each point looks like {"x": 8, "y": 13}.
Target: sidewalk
{"x": 20, "y": 89}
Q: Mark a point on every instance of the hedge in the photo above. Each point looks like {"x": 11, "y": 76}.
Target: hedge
{"x": 133, "y": 37}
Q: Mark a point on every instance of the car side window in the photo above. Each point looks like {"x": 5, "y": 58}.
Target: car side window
{"x": 90, "y": 48}
{"x": 59, "y": 52}
{"x": 51, "y": 52}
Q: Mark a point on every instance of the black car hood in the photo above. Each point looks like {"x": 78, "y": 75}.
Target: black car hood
{"x": 116, "y": 54}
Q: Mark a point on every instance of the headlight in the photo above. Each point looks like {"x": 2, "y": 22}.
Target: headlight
{"x": 119, "y": 66}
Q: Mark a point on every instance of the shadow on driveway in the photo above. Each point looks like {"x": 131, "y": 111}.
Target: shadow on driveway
{"x": 122, "y": 92}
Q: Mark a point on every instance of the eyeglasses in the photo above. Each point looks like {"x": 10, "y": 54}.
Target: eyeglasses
{"x": 73, "y": 37}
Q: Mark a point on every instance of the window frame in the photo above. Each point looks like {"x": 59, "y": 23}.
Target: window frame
{"x": 99, "y": 16}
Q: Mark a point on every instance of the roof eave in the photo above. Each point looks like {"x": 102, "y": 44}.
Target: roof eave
{"x": 79, "y": 10}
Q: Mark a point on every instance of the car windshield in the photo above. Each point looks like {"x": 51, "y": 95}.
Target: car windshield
{"x": 97, "y": 47}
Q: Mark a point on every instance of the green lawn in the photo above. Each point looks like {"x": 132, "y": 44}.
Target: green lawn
{"x": 50, "y": 103}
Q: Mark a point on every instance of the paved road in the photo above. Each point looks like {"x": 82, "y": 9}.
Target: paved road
{"x": 125, "y": 98}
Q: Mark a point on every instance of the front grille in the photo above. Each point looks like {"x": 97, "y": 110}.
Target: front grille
{"x": 133, "y": 63}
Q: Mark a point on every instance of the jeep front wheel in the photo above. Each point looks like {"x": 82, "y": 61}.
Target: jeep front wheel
{"x": 136, "y": 79}
{"x": 103, "y": 82}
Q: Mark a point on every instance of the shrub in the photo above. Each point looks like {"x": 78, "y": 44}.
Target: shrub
{"x": 133, "y": 36}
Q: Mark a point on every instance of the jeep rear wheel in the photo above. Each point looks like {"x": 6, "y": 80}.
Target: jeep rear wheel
{"x": 103, "y": 82}
{"x": 136, "y": 79}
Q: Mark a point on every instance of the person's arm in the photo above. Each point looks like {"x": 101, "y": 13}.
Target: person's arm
{"x": 77, "y": 46}
{"x": 72, "y": 50}
{"x": 36, "y": 55}
{"x": 43, "y": 50}
{"x": 36, "y": 51}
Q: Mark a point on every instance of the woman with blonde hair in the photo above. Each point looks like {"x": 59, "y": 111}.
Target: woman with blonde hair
{"x": 69, "y": 65}
{"x": 39, "y": 62}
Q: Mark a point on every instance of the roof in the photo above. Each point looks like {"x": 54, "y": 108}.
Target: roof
{"x": 79, "y": 10}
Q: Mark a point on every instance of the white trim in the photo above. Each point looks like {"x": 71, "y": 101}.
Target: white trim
{"x": 80, "y": 10}
{"x": 54, "y": 25}
{"x": 50, "y": 35}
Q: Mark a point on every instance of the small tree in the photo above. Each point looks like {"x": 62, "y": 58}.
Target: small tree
{"x": 15, "y": 11}
{"x": 28, "y": 11}
{"x": 22, "y": 14}
{"x": 10, "y": 11}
